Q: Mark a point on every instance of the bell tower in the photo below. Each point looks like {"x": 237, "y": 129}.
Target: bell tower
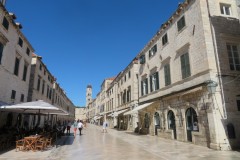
{"x": 88, "y": 95}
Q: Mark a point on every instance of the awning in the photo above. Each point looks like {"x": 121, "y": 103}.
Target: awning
{"x": 97, "y": 117}
{"x": 119, "y": 112}
{"x": 127, "y": 113}
{"x": 35, "y": 107}
{"x": 110, "y": 115}
{"x": 142, "y": 106}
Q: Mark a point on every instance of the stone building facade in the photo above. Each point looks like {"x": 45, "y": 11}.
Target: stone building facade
{"x": 15, "y": 63}
{"x": 196, "y": 53}
{"x": 80, "y": 113}
{"x": 24, "y": 77}
{"x": 188, "y": 77}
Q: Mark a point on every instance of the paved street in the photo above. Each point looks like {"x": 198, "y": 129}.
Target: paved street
{"x": 94, "y": 145}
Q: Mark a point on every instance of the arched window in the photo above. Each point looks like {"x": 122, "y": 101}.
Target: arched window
{"x": 231, "y": 131}
{"x": 171, "y": 120}
{"x": 191, "y": 120}
{"x": 157, "y": 119}
{"x": 146, "y": 120}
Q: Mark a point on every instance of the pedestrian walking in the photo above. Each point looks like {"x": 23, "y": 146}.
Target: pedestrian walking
{"x": 68, "y": 127}
{"x": 75, "y": 126}
{"x": 80, "y": 127}
{"x": 105, "y": 125}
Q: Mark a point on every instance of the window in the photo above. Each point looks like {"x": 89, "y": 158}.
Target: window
{"x": 233, "y": 57}
{"x": 39, "y": 82}
{"x": 144, "y": 87}
{"x": 20, "y": 42}
{"x": 154, "y": 82}
{"x": 28, "y": 51}
{"x": 43, "y": 87}
{"x": 40, "y": 67}
{"x": 238, "y": 105}
{"x": 16, "y": 68}
{"x": 129, "y": 74}
{"x": 25, "y": 68}
{"x": 171, "y": 120}
{"x": 142, "y": 59}
{"x": 167, "y": 74}
{"x": 125, "y": 78}
{"x": 1, "y": 51}
{"x": 22, "y": 98}
{"x": 225, "y": 9}
{"x": 185, "y": 66}
{"x": 13, "y": 95}
{"x": 47, "y": 90}
{"x": 129, "y": 94}
{"x": 152, "y": 51}
{"x": 5, "y": 23}
{"x": 165, "y": 39}
{"x": 181, "y": 23}
{"x": 50, "y": 94}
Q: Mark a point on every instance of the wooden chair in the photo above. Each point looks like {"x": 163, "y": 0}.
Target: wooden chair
{"x": 49, "y": 142}
{"x": 41, "y": 144}
{"x": 20, "y": 144}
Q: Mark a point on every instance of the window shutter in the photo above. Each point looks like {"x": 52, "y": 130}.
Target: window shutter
{"x": 151, "y": 83}
{"x": 146, "y": 85}
{"x": 142, "y": 87}
{"x": 1, "y": 51}
{"x": 187, "y": 65}
{"x": 157, "y": 81}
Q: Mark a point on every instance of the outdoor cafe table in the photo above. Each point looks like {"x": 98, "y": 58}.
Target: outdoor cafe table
{"x": 30, "y": 142}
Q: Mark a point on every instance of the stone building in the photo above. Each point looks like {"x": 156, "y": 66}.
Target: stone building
{"x": 24, "y": 77}
{"x": 15, "y": 64}
{"x": 80, "y": 113}
{"x": 189, "y": 76}
{"x": 43, "y": 86}
{"x": 122, "y": 96}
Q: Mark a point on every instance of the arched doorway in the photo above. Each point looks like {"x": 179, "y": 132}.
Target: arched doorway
{"x": 172, "y": 124}
{"x": 157, "y": 122}
{"x": 147, "y": 122}
{"x": 191, "y": 123}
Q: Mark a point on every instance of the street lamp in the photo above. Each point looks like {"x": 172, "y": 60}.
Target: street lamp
{"x": 211, "y": 86}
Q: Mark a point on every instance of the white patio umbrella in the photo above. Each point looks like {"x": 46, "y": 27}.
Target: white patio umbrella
{"x": 35, "y": 107}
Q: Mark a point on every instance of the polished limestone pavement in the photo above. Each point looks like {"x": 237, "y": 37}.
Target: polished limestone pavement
{"x": 121, "y": 145}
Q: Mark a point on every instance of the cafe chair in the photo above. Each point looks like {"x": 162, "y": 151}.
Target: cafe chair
{"x": 49, "y": 142}
{"x": 20, "y": 144}
{"x": 40, "y": 144}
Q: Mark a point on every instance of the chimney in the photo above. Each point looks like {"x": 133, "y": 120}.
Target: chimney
{"x": 3, "y": 2}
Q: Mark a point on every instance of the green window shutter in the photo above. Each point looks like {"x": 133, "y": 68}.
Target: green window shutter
{"x": 146, "y": 85}
{"x": 157, "y": 80}
{"x": 188, "y": 72}
{"x": 142, "y": 88}
{"x": 151, "y": 88}
{"x": 183, "y": 66}
{"x": 1, "y": 52}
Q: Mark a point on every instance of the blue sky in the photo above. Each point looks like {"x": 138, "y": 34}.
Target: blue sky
{"x": 85, "y": 41}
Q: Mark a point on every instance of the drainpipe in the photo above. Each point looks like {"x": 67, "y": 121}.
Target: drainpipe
{"x": 217, "y": 62}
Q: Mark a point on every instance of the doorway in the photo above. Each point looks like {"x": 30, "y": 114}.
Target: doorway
{"x": 191, "y": 123}
{"x": 157, "y": 122}
{"x": 172, "y": 123}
